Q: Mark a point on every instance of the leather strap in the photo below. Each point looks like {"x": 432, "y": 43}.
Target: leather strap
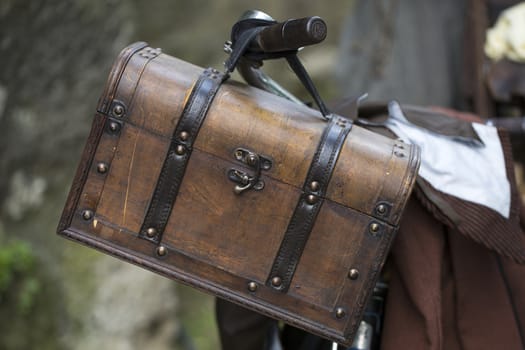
{"x": 310, "y": 202}
{"x": 178, "y": 154}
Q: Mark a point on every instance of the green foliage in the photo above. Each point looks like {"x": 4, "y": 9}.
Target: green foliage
{"x": 17, "y": 281}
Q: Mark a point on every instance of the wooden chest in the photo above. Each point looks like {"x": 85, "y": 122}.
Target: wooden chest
{"x": 238, "y": 192}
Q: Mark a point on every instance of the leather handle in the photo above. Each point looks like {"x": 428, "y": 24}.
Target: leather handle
{"x": 292, "y": 34}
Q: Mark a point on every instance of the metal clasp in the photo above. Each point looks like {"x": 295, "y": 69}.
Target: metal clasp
{"x": 245, "y": 181}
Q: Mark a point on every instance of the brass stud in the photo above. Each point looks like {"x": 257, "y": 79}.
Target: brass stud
{"x": 87, "y": 214}
{"x": 118, "y": 110}
{"x": 381, "y": 209}
{"x": 184, "y": 135}
{"x": 251, "y": 160}
{"x": 314, "y": 186}
{"x": 374, "y": 227}
{"x": 180, "y": 150}
{"x": 162, "y": 251}
{"x": 353, "y": 274}
{"x": 252, "y": 286}
{"x": 151, "y": 232}
{"x": 340, "y": 312}
{"x": 311, "y": 199}
{"x": 114, "y": 126}
{"x": 277, "y": 281}
{"x": 102, "y": 167}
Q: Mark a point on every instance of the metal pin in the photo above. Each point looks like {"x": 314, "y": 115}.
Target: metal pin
{"x": 118, "y": 110}
{"x": 311, "y": 199}
{"x": 87, "y": 214}
{"x": 162, "y": 251}
{"x": 252, "y": 286}
{"x": 151, "y": 232}
{"x": 381, "y": 209}
{"x": 251, "y": 159}
{"x": 102, "y": 167}
{"x": 184, "y": 135}
{"x": 180, "y": 150}
{"x": 374, "y": 227}
{"x": 353, "y": 274}
{"x": 114, "y": 126}
{"x": 277, "y": 281}
{"x": 238, "y": 154}
{"x": 340, "y": 312}
{"x": 314, "y": 186}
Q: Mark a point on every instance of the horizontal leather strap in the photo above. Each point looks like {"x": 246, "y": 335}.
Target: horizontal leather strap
{"x": 310, "y": 202}
{"x": 178, "y": 154}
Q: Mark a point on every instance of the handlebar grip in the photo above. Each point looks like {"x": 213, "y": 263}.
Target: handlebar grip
{"x": 292, "y": 34}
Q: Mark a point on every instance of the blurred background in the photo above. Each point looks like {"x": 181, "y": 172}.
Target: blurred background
{"x": 55, "y": 56}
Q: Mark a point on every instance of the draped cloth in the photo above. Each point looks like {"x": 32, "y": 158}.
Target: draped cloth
{"x": 457, "y": 283}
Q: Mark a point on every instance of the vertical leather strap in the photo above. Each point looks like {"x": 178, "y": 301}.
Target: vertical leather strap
{"x": 178, "y": 154}
{"x": 310, "y": 202}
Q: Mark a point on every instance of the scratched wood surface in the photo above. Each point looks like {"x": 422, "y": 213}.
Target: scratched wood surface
{"x": 220, "y": 241}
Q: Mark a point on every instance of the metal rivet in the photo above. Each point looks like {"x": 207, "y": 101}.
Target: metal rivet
{"x": 353, "y": 274}
{"x": 374, "y": 227}
{"x": 114, "y": 127}
{"x": 251, "y": 159}
{"x": 259, "y": 185}
{"x": 102, "y": 167}
{"x": 340, "y": 312}
{"x": 311, "y": 199}
{"x": 184, "y": 135}
{"x": 161, "y": 251}
{"x": 87, "y": 214}
{"x": 180, "y": 150}
{"x": 151, "y": 232}
{"x": 238, "y": 154}
{"x": 118, "y": 110}
{"x": 314, "y": 186}
{"x": 276, "y": 281}
{"x": 252, "y": 286}
{"x": 381, "y": 208}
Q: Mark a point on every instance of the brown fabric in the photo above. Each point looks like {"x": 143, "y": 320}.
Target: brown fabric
{"x": 457, "y": 285}
{"x": 447, "y": 292}
{"x": 480, "y": 223}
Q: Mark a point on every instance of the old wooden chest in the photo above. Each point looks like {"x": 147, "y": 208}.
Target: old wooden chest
{"x": 238, "y": 192}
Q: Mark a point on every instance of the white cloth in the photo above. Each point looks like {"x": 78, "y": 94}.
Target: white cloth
{"x": 474, "y": 173}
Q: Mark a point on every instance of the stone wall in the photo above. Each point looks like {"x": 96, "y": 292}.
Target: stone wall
{"x": 55, "y": 57}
